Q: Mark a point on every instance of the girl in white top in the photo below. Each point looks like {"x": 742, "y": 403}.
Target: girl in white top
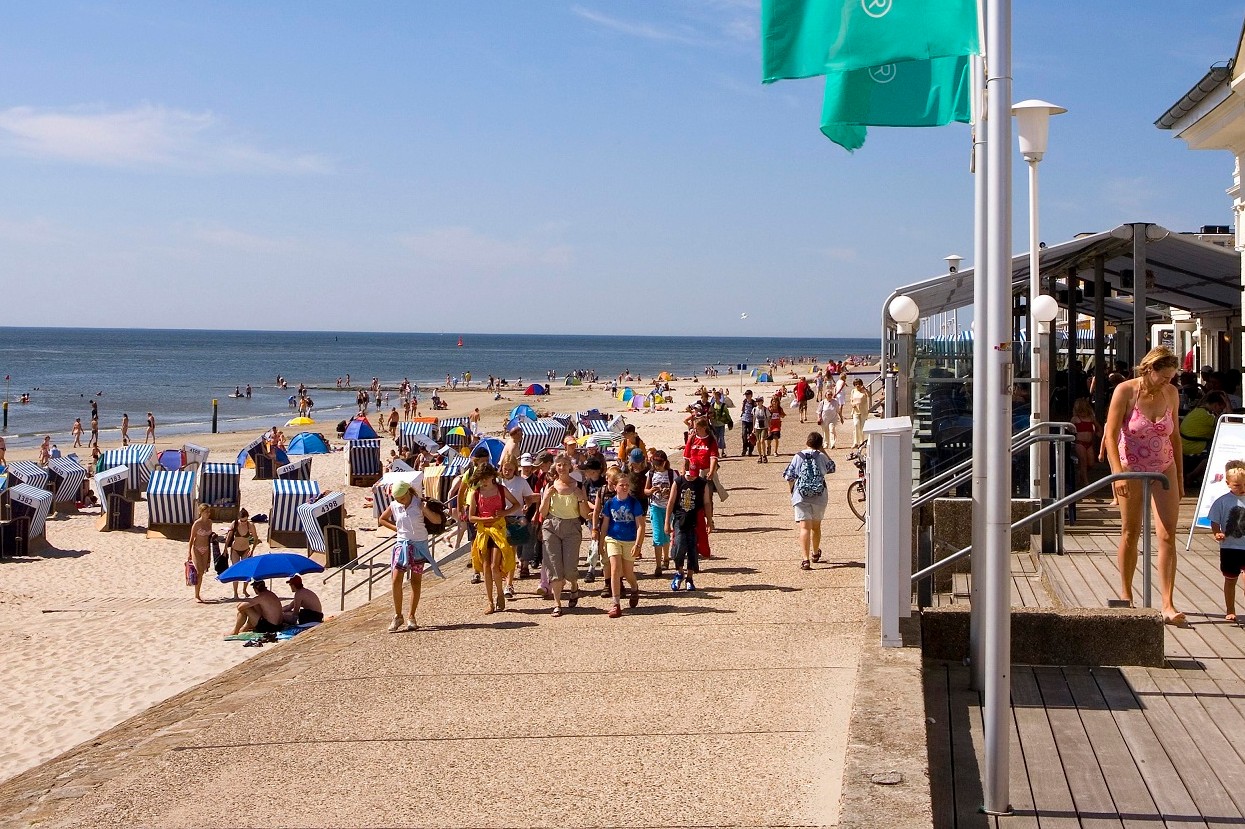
{"x": 410, "y": 548}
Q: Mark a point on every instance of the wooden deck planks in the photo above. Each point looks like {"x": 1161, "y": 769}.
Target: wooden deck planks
{"x": 1052, "y": 800}
{"x": 938, "y": 743}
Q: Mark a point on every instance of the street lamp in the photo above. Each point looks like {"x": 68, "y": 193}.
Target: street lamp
{"x": 953, "y": 266}
{"x": 905, "y": 312}
{"x": 1033, "y": 128}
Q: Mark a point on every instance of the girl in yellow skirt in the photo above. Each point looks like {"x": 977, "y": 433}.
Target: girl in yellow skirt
{"x": 487, "y": 507}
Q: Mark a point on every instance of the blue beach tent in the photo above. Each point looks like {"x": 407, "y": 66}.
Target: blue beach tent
{"x": 523, "y": 410}
{"x": 494, "y": 447}
{"x": 359, "y": 429}
{"x": 308, "y": 443}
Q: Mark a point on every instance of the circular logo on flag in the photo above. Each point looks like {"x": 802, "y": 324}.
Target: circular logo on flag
{"x": 876, "y": 8}
{"x": 883, "y": 74}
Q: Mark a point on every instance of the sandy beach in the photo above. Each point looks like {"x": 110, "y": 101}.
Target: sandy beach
{"x": 99, "y": 626}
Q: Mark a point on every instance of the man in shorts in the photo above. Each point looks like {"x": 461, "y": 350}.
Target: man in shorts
{"x": 261, "y": 614}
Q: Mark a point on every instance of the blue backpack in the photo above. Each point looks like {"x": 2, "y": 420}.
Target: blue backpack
{"x": 810, "y": 482}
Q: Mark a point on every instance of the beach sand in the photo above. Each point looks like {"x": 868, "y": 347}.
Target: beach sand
{"x": 100, "y": 626}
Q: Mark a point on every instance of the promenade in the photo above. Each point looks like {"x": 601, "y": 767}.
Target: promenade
{"x": 728, "y": 706}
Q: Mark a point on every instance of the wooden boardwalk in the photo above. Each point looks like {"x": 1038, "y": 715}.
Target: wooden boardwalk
{"x": 1107, "y": 747}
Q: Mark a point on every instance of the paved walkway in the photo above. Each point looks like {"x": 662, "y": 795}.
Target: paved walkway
{"x": 728, "y": 706}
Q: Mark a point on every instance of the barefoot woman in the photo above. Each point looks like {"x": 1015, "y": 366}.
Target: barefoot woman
{"x": 1141, "y": 436}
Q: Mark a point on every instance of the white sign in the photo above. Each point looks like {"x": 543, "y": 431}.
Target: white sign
{"x": 1227, "y": 445}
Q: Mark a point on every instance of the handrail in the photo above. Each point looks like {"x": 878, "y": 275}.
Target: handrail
{"x": 1062, "y": 426}
{"x": 1146, "y": 479}
{"x": 963, "y": 470}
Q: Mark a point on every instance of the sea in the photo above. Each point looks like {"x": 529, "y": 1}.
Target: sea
{"x": 176, "y": 374}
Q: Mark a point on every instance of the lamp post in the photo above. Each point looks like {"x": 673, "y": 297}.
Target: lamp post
{"x": 1033, "y": 128}
{"x": 905, "y": 312}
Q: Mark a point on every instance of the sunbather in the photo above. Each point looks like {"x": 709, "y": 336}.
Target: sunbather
{"x": 304, "y": 607}
{"x": 261, "y": 614}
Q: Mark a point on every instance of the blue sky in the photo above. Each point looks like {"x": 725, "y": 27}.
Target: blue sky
{"x": 578, "y": 167}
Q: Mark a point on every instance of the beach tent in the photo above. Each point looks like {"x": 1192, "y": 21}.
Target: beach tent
{"x": 764, "y": 377}
{"x": 194, "y": 455}
{"x": 309, "y": 443}
{"x": 220, "y": 489}
{"x": 138, "y": 457}
{"x": 299, "y": 470}
{"x": 657, "y": 398}
{"x": 323, "y": 522}
{"x": 494, "y": 446}
{"x": 523, "y": 410}
{"x": 29, "y": 507}
{"x": 284, "y": 528}
{"x": 30, "y": 473}
{"x": 410, "y": 431}
{"x": 573, "y": 381}
{"x": 535, "y": 388}
{"x": 627, "y": 394}
{"x": 359, "y": 429}
{"x": 541, "y": 434}
{"x": 381, "y": 489}
{"x": 639, "y": 401}
{"x": 454, "y": 430}
{"x": 665, "y": 377}
{"x": 67, "y": 476}
{"x": 171, "y": 460}
{"x": 363, "y": 466}
{"x": 171, "y": 504}
{"x": 117, "y": 510}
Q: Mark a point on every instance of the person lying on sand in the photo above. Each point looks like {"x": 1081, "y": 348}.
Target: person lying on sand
{"x": 261, "y": 614}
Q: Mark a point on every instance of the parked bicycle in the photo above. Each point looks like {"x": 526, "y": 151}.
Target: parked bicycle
{"x": 856, "y": 489}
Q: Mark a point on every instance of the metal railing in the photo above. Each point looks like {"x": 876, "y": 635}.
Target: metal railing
{"x": 1146, "y": 478}
{"x": 961, "y": 473}
{"x": 374, "y": 574}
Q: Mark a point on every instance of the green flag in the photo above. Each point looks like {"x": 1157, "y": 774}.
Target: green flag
{"x": 925, "y": 93}
{"x": 803, "y": 38}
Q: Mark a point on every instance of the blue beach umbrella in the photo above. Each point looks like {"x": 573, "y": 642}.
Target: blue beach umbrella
{"x": 270, "y": 566}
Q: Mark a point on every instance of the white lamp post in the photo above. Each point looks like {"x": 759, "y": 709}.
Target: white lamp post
{"x": 905, "y": 312}
{"x": 953, "y": 266}
{"x": 1033, "y": 128}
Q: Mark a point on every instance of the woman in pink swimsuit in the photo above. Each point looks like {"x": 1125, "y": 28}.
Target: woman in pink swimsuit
{"x": 1142, "y": 436}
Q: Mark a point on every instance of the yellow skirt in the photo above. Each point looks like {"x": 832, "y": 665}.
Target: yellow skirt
{"x": 494, "y": 531}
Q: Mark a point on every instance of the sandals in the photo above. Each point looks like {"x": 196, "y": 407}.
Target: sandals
{"x": 806, "y": 565}
{"x": 574, "y": 598}
{"x": 557, "y": 611}
{"x": 817, "y": 556}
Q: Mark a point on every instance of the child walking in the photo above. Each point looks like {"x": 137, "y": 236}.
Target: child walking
{"x": 760, "y": 432}
{"x": 660, "y": 479}
{"x": 623, "y": 523}
{"x": 1227, "y": 522}
{"x": 689, "y": 501}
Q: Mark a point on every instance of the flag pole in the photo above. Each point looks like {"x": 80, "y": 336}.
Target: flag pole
{"x": 998, "y": 409}
{"x": 981, "y": 356}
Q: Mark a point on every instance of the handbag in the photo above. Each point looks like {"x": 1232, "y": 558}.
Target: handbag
{"x": 192, "y": 575}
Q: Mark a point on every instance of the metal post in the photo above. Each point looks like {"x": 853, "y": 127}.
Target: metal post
{"x": 889, "y": 394}
{"x": 215, "y": 408}
{"x": 1140, "y": 332}
{"x": 1100, "y": 338}
{"x": 6, "y": 416}
{"x": 1145, "y": 542}
{"x": 903, "y": 379}
{"x": 981, "y": 355}
{"x": 1039, "y": 472}
{"x": 997, "y": 412}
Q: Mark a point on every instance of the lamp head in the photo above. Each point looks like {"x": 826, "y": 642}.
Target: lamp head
{"x": 953, "y": 262}
{"x": 1033, "y": 126}
{"x": 1045, "y": 308}
{"x": 904, "y": 311}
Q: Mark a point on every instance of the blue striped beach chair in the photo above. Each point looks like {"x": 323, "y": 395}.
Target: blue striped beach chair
{"x": 67, "y": 476}
{"x": 592, "y": 425}
{"x": 220, "y": 489}
{"x": 322, "y": 520}
{"x": 567, "y": 420}
{"x": 139, "y": 458}
{"x": 409, "y": 430}
{"x": 540, "y": 434}
{"x": 171, "y": 504}
{"x": 29, "y": 473}
{"x": 299, "y": 470}
{"x": 363, "y": 466}
{"x": 30, "y": 507}
{"x": 284, "y": 528}
{"x": 446, "y": 424}
{"x": 118, "y": 511}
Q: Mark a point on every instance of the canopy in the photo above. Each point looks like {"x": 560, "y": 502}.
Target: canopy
{"x": 494, "y": 447}
{"x": 308, "y": 443}
{"x": 665, "y": 376}
{"x": 523, "y": 410}
{"x": 171, "y": 460}
{"x": 270, "y": 566}
{"x": 574, "y": 381}
{"x": 535, "y": 388}
{"x": 359, "y": 429}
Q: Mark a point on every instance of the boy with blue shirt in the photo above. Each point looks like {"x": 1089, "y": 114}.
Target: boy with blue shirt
{"x": 1227, "y": 522}
{"x": 623, "y": 523}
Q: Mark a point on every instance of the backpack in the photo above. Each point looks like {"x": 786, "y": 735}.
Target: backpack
{"x": 808, "y": 393}
{"x": 810, "y": 482}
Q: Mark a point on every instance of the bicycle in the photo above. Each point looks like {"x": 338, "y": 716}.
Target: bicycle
{"x": 856, "y": 489}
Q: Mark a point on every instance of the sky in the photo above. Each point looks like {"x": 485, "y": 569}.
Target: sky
{"x": 585, "y": 167}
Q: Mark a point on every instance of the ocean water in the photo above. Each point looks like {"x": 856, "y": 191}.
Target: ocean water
{"x": 177, "y": 373}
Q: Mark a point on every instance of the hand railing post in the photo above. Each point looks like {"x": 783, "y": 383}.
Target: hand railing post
{"x": 343, "y": 602}
{"x": 1145, "y": 542}
{"x": 1061, "y": 459}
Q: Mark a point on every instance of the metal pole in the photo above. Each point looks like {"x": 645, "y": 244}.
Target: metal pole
{"x": 981, "y": 355}
{"x": 1141, "y": 333}
{"x": 215, "y": 407}
{"x": 1038, "y": 472}
{"x": 1145, "y": 543}
{"x": 1100, "y": 338}
{"x": 998, "y": 409}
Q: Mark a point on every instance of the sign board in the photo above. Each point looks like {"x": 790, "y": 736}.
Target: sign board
{"x": 741, "y": 366}
{"x": 1227, "y": 445}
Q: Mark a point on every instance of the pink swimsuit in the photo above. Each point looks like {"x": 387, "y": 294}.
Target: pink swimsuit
{"x": 1145, "y": 445}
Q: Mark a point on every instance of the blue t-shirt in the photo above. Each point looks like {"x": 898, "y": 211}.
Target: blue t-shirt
{"x": 1228, "y": 512}
{"x": 620, "y": 518}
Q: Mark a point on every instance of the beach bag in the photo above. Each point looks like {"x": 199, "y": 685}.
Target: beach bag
{"x": 220, "y": 561}
{"x": 517, "y": 533}
{"x": 807, "y": 394}
{"x": 810, "y": 482}
{"x": 438, "y": 526}
{"x": 192, "y": 575}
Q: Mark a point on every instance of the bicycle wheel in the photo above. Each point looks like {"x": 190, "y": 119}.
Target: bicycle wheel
{"x": 856, "y": 498}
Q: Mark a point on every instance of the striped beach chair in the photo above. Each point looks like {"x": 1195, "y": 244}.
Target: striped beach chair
{"x": 29, "y": 473}
{"x": 363, "y": 466}
{"x": 171, "y": 504}
{"x": 67, "y": 476}
{"x": 138, "y": 458}
{"x": 196, "y": 456}
{"x": 284, "y": 528}
{"x": 409, "y": 430}
{"x": 220, "y": 489}
{"x": 567, "y": 420}
{"x": 323, "y": 523}
{"x": 118, "y": 511}
{"x": 592, "y": 425}
{"x": 446, "y": 424}
{"x": 546, "y": 433}
{"x": 30, "y": 507}
{"x": 299, "y": 470}
{"x": 380, "y": 489}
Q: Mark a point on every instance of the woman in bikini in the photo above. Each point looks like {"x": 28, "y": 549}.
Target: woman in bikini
{"x": 241, "y": 540}
{"x": 1141, "y": 436}
{"x": 199, "y": 550}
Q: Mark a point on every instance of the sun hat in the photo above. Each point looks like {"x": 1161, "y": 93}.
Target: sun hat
{"x": 636, "y": 455}
{"x": 527, "y": 460}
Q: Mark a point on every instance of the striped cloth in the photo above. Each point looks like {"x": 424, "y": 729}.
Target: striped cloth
{"x": 592, "y": 425}
{"x": 310, "y": 516}
{"x": 445, "y": 424}
{"x": 138, "y": 457}
{"x": 68, "y": 476}
{"x": 299, "y": 470}
{"x": 540, "y": 434}
{"x": 363, "y": 458}
{"x": 408, "y": 431}
{"x": 26, "y": 501}
{"x": 195, "y": 453}
{"x": 109, "y": 482}
{"x": 218, "y": 484}
{"x": 252, "y": 449}
{"x": 567, "y": 420}
{"x": 29, "y": 472}
{"x": 171, "y": 498}
{"x": 287, "y": 496}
